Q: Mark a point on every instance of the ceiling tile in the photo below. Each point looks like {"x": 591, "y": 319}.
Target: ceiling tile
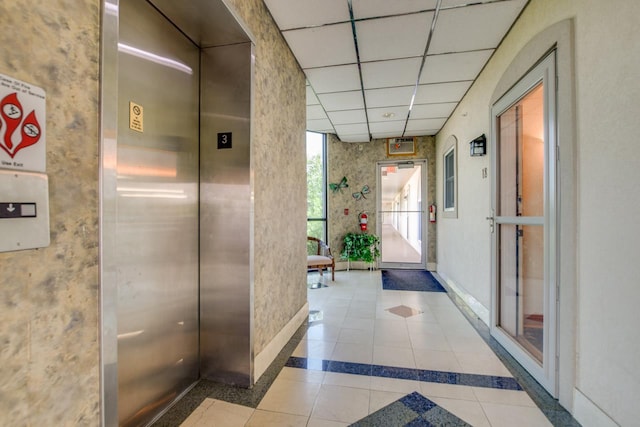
{"x": 374, "y": 8}
{"x": 322, "y": 46}
{"x": 454, "y": 66}
{"x": 389, "y": 96}
{"x": 312, "y": 99}
{"x": 396, "y": 127}
{"x": 346, "y": 117}
{"x": 342, "y": 100}
{"x": 441, "y": 92}
{"x": 319, "y": 125}
{"x": 334, "y": 79}
{"x": 420, "y": 124}
{"x": 427, "y": 111}
{"x": 307, "y": 13}
{"x": 398, "y": 113}
{"x": 315, "y": 112}
{"x": 352, "y": 129}
{"x": 397, "y": 72}
{"x": 362, "y": 137}
{"x": 394, "y": 37}
{"x": 463, "y": 29}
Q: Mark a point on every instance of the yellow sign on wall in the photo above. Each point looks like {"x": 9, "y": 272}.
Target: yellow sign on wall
{"x": 136, "y": 117}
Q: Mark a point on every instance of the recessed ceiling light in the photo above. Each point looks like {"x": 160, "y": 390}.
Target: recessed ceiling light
{"x": 388, "y": 115}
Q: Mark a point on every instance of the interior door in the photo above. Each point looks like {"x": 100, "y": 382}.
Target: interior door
{"x": 523, "y": 224}
{"x": 401, "y": 220}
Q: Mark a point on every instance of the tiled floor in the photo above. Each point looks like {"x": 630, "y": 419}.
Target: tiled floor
{"x": 362, "y": 362}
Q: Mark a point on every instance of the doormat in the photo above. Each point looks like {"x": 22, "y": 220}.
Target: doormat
{"x": 412, "y": 410}
{"x": 410, "y": 280}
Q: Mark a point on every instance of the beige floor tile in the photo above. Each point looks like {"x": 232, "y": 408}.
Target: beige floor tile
{"x": 344, "y": 404}
{"x": 503, "y": 397}
{"x": 196, "y": 415}
{"x": 301, "y": 375}
{"x": 323, "y": 332}
{"x": 348, "y": 352}
{"x": 380, "y": 399}
{"x": 436, "y": 360}
{"x": 426, "y": 341}
{"x": 291, "y": 397}
{"x": 450, "y": 391}
{"x": 482, "y": 363}
{"x": 317, "y": 422}
{"x": 505, "y": 415}
{"x": 393, "y": 356}
{"x": 348, "y": 380}
{"x": 469, "y": 411}
{"x": 222, "y": 414}
{"x": 275, "y": 419}
{"x": 314, "y": 349}
{"x": 356, "y": 336}
{"x": 395, "y": 385}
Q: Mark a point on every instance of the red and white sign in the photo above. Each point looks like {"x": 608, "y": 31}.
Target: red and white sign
{"x": 22, "y": 126}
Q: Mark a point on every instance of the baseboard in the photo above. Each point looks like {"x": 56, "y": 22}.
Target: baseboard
{"x": 269, "y": 353}
{"x": 480, "y": 310}
{"x": 432, "y": 266}
{"x": 588, "y": 414}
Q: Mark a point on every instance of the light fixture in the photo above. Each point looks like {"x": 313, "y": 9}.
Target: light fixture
{"x": 388, "y": 115}
{"x": 478, "y": 147}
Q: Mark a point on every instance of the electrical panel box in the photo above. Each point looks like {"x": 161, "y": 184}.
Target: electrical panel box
{"x": 24, "y": 210}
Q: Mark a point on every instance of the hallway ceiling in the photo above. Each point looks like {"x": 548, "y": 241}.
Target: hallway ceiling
{"x": 366, "y": 60}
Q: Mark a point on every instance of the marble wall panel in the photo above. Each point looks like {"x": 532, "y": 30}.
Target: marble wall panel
{"x": 49, "y": 359}
{"x": 357, "y": 162}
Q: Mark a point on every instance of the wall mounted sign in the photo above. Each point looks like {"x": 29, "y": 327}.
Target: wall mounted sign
{"x": 224, "y": 140}
{"x": 136, "y": 117}
{"x": 401, "y": 146}
{"x": 22, "y": 126}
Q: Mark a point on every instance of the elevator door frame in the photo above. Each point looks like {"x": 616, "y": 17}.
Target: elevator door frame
{"x": 211, "y": 34}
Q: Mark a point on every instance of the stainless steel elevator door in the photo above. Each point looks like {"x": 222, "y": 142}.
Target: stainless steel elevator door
{"x": 157, "y": 213}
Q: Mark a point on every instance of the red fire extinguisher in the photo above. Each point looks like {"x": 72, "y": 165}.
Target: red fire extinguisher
{"x": 363, "y": 221}
{"x": 432, "y": 213}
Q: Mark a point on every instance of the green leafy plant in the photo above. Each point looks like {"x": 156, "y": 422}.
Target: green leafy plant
{"x": 361, "y": 247}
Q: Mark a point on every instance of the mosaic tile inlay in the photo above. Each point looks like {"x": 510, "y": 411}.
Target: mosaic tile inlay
{"x": 442, "y": 377}
{"x": 411, "y": 411}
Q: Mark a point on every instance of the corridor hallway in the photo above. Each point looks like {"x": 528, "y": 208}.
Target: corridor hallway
{"x": 359, "y": 357}
{"x": 395, "y": 248}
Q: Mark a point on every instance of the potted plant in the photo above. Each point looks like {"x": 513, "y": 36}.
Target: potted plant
{"x": 361, "y": 247}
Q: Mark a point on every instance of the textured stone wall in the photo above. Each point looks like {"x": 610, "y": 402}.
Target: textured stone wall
{"x": 49, "y": 359}
{"x": 358, "y": 163}
{"x": 279, "y": 165}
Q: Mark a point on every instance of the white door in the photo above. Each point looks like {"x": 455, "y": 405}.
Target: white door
{"x": 524, "y": 223}
{"x": 401, "y": 220}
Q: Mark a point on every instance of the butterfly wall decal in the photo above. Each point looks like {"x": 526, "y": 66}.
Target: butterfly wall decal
{"x": 339, "y": 186}
{"x": 361, "y": 194}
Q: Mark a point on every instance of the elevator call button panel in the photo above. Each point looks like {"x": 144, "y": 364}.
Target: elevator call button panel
{"x": 24, "y": 210}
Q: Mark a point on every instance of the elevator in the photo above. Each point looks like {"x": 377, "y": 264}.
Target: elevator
{"x": 176, "y": 204}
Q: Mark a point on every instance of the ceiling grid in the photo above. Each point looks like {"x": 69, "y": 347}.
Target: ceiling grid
{"x": 368, "y": 61}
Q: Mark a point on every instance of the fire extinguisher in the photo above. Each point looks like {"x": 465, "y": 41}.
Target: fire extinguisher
{"x": 432, "y": 213}
{"x": 363, "y": 221}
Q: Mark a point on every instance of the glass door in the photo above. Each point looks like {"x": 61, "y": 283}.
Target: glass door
{"x": 401, "y": 227}
{"x": 523, "y": 255}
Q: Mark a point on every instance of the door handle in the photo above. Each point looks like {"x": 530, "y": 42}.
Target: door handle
{"x": 492, "y": 221}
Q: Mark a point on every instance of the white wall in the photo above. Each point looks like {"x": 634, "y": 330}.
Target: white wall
{"x": 607, "y": 197}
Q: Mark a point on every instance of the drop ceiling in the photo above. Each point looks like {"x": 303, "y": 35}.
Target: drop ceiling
{"x": 389, "y": 68}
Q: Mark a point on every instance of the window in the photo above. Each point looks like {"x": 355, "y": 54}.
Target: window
{"x": 316, "y": 186}
{"x": 450, "y": 188}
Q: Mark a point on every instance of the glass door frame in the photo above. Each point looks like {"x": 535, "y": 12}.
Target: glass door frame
{"x": 545, "y": 373}
{"x": 423, "y": 217}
